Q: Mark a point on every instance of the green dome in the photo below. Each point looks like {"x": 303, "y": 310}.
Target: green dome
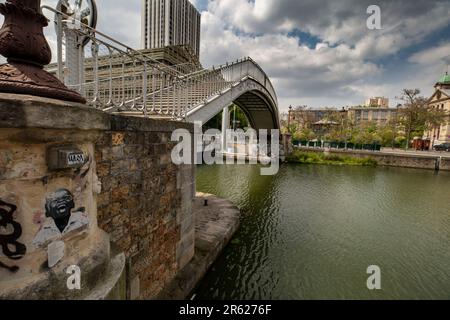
{"x": 445, "y": 79}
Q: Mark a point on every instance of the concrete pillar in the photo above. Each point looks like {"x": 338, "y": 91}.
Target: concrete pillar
{"x": 225, "y": 124}
{"x": 287, "y": 144}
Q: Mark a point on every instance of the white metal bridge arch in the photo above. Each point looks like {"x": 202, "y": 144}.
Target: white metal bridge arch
{"x": 248, "y": 87}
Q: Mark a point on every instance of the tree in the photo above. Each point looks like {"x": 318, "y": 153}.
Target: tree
{"x": 236, "y": 116}
{"x": 386, "y": 134}
{"x": 284, "y": 121}
{"x": 291, "y": 128}
{"x": 305, "y": 134}
{"x": 367, "y": 134}
{"x": 340, "y": 126}
{"x": 214, "y": 123}
{"x": 416, "y": 116}
{"x": 239, "y": 118}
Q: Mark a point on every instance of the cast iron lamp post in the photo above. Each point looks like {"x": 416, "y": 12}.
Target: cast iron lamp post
{"x": 23, "y": 43}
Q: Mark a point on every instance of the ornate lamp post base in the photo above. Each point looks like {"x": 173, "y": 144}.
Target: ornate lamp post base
{"x": 33, "y": 80}
{"x": 23, "y": 43}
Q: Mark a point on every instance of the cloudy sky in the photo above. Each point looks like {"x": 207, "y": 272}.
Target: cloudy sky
{"x": 318, "y": 53}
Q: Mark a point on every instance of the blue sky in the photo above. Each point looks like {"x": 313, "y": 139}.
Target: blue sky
{"x": 320, "y": 53}
{"x": 317, "y": 52}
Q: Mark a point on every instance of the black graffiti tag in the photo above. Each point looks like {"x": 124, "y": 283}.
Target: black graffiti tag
{"x": 9, "y": 241}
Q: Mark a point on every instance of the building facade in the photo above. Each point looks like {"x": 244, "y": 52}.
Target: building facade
{"x": 377, "y": 102}
{"x": 308, "y": 118}
{"x": 440, "y": 100}
{"x": 358, "y": 116}
{"x": 170, "y": 23}
{"x": 319, "y": 121}
{"x": 361, "y": 116}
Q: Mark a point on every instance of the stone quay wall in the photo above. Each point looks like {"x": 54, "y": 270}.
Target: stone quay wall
{"x": 445, "y": 164}
{"x": 430, "y": 162}
{"x": 131, "y": 226}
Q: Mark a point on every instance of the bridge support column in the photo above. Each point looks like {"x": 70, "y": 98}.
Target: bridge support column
{"x": 225, "y": 124}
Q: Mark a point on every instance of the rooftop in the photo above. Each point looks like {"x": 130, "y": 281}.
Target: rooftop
{"x": 445, "y": 79}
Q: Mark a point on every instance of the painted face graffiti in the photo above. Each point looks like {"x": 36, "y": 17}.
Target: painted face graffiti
{"x": 10, "y": 232}
{"x": 60, "y": 217}
{"x": 59, "y": 206}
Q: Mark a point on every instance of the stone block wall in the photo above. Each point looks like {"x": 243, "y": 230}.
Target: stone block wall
{"x": 425, "y": 161}
{"x": 445, "y": 163}
{"x": 146, "y": 201}
{"x": 143, "y": 203}
{"x": 416, "y": 162}
{"x": 48, "y": 209}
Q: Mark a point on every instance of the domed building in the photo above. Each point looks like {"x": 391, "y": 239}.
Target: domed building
{"x": 440, "y": 100}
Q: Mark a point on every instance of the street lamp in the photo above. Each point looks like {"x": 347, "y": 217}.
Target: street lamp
{"x": 27, "y": 52}
{"x": 394, "y": 134}
{"x": 343, "y": 111}
{"x": 289, "y": 118}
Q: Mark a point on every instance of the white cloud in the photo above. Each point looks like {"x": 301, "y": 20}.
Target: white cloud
{"x": 342, "y": 68}
{"x": 345, "y": 65}
{"x": 440, "y": 53}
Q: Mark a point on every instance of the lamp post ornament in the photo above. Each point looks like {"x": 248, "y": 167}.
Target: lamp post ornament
{"x": 77, "y": 14}
{"x": 23, "y": 43}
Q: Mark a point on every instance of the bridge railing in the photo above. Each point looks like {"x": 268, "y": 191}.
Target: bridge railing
{"x": 207, "y": 84}
{"x": 116, "y": 78}
{"x": 111, "y": 76}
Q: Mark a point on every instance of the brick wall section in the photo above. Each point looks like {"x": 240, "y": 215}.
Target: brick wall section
{"x": 146, "y": 201}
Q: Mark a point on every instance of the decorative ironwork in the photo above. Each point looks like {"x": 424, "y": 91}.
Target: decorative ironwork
{"x": 120, "y": 79}
{"x": 23, "y": 43}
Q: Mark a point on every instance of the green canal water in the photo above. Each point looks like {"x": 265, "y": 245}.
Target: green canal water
{"x": 311, "y": 232}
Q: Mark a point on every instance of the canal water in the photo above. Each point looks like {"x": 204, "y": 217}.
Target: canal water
{"x": 311, "y": 232}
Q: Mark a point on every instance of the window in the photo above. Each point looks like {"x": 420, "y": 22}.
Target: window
{"x": 365, "y": 115}
{"x": 375, "y": 115}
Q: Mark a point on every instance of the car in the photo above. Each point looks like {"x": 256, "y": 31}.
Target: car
{"x": 442, "y": 147}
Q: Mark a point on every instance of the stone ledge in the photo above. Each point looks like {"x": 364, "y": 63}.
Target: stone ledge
{"x": 133, "y": 123}
{"x": 24, "y": 111}
{"x": 375, "y": 153}
{"x": 215, "y": 225}
{"x": 112, "y": 286}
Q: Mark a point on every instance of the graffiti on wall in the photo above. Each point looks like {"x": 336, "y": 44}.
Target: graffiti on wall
{"x": 60, "y": 219}
{"x": 10, "y": 232}
{"x": 80, "y": 178}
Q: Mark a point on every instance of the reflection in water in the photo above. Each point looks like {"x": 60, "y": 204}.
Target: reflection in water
{"x": 311, "y": 232}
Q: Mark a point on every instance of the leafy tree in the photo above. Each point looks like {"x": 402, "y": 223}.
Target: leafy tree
{"x": 239, "y": 118}
{"x": 292, "y": 128}
{"x": 417, "y": 116}
{"x": 386, "y": 135}
{"x": 235, "y": 114}
{"x": 400, "y": 140}
{"x": 214, "y": 123}
{"x": 305, "y": 134}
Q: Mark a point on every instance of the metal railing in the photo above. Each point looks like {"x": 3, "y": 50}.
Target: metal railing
{"x": 117, "y": 78}
{"x": 205, "y": 85}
